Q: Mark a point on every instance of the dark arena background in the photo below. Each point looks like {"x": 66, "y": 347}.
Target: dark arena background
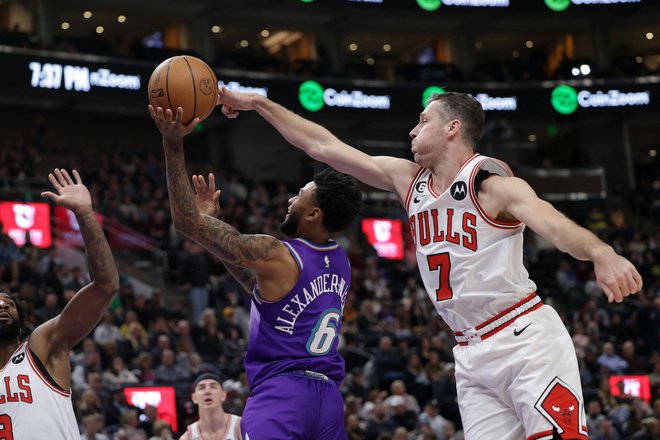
{"x": 571, "y": 94}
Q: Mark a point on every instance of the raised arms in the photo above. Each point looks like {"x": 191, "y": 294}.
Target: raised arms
{"x": 266, "y": 256}
{"x": 615, "y": 275}
{"x": 207, "y": 200}
{"x": 53, "y": 340}
{"x": 386, "y": 173}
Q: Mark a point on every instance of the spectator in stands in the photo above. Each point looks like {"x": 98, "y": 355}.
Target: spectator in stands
{"x": 195, "y": 277}
{"x": 610, "y": 361}
{"x": 607, "y": 431}
{"x": 595, "y": 416}
{"x": 92, "y": 428}
{"x": 380, "y": 422}
{"x": 107, "y": 331}
{"x": 170, "y": 372}
{"x": 118, "y": 375}
{"x": 433, "y": 419}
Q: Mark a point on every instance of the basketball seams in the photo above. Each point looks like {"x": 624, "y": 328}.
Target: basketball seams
{"x": 214, "y": 80}
{"x": 167, "y": 83}
{"x": 194, "y": 84}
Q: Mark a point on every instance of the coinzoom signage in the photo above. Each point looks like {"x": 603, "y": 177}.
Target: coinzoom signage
{"x": 488, "y": 103}
{"x": 432, "y": 5}
{"x": 565, "y": 99}
{"x": 561, "y": 5}
{"x": 313, "y": 97}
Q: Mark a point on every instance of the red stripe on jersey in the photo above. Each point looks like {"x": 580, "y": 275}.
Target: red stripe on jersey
{"x": 499, "y": 315}
{"x": 509, "y": 322}
{"x": 406, "y": 202}
{"x": 44, "y": 379}
{"x": 546, "y": 435}
{"x": 482, "y": 213}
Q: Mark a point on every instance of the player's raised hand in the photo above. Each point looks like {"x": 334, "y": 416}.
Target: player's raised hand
{"x": 617, "y": 276}
{"x": 70, "y": 194}
{"x": 233, "y": 102}
{"x": 171, "y": 125}
{"x": 207, "y": 199}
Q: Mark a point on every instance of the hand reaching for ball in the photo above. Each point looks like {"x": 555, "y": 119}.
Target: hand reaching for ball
{"x": 170, "y": 126}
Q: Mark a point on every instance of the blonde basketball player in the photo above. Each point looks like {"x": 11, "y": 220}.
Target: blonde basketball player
{"x": 516, "y": 369}
{"x": 214, "y": 422}
{"x": 35, "y": 393}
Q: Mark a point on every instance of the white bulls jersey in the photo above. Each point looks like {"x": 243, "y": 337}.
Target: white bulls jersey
{"x": 31, "y": 406}
{"x": 471, "y": 265}
{"x": 231, "y": 431}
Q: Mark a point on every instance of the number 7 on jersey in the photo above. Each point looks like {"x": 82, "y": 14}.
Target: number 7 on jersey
{"x": 442, "y": 264}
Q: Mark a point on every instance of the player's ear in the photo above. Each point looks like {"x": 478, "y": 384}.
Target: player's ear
{"x": 314, "y": 214}
{"x": 193, "y": 398}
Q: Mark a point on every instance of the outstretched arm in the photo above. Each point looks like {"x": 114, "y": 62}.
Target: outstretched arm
{"x": 615, "y": 275}
{"x": 207, "y": 200}
{"x": 263, "y": 254}
{"x": 55, "y": 338}
{"x": 383, "y": 172}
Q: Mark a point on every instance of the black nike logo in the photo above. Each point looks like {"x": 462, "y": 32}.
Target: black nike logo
{"x": 517, "y": 332}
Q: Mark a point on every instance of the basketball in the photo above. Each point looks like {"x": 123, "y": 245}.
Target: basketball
{"x": 187, "y": 82}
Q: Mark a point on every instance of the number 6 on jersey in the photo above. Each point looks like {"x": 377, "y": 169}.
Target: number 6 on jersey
{"x": 324, "y": 333}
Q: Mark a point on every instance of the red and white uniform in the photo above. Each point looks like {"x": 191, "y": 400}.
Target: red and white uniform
{"x": 31, "y": 405}
{"x": 231, "y": 431}
{"x": 513, "y": 381}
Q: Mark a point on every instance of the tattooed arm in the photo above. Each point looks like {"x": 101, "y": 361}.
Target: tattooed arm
{"x": 275, "y": 269}
{"x": 52, "y": 341}
{"x": 207, "y": 200}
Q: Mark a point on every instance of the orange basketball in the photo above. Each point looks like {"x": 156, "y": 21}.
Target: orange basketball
{"x": 187, "y": 82}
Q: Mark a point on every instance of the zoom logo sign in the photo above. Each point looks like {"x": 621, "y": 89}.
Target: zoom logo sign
{"x": 314, "y": 97}
{"x": 565, "y": 99}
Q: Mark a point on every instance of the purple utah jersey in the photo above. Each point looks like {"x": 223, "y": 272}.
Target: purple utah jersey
{"x": 299, "y": 332}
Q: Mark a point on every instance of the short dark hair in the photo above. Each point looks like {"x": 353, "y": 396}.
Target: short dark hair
{"x": 339, "y": 197}
{"x": 466, "y": 109}
{"x": 21, "y": 308}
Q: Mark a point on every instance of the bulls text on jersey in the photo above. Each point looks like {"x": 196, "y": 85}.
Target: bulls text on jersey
{"x": 436, "y": 225}
{"x": 15, "y": 389}
{"x": 325, "y": 283}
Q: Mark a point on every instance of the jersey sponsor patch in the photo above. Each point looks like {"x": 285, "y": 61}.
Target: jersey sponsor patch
{"x": 18, "y": 358}
{"x": 560, "y": 405}
{"x": 458, "y": 190}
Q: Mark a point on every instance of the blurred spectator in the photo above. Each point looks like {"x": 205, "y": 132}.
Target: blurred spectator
{"x": 610, "y": 361}
{"x": 170, "y": 372}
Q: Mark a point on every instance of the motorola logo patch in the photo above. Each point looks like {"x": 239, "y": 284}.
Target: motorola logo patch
{"x": 458, "y": 190}
{"x": 18, "y": 358}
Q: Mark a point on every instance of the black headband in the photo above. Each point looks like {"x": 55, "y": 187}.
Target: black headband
{"x": 206, "y": 376}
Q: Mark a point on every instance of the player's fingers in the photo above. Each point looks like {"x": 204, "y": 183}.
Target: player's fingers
{"x": 66, "y": 176}
{"x": 192, "y": 123}
{"x": 152, "y": 112}
{"x": 211, "y": 182}
{"x": 607, "y": 291}
{"x": 202, "y": 184}
{"x": 53, "y": 181}
{"x": 60, "y": 178}
{"x": 76, "y": 176}
{"x": 639, "y": 283}
{"x": 216, "y": 196}
{"x": 160, "y": 114}
{"x": 49, "y": 195}
{"x": 179, "y": 115}
{"x": 195, "y": 183}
